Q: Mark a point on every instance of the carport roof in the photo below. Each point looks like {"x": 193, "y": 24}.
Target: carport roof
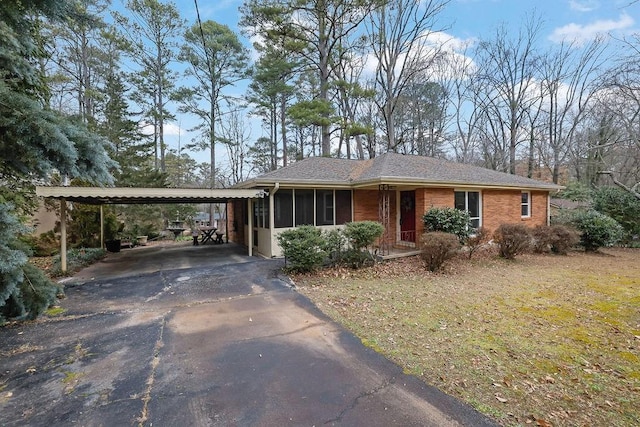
{"x": 134, "y": 195}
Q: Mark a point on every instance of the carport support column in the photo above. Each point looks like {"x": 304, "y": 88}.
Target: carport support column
{"x": 101, "y": 226}
{"x": 63, "y": 235}
{"x": 250, "y": 224}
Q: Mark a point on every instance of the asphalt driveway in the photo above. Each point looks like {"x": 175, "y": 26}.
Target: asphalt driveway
{"x": 202, "y": 336}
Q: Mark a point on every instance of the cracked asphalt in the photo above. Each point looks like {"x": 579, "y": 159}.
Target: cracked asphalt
{"x": 202, "y": 336}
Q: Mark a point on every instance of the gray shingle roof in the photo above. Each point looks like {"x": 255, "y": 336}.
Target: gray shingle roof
{"x": 393, "y": 167}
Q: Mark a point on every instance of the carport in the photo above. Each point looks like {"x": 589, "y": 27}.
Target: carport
{"x": 132, "y": 195}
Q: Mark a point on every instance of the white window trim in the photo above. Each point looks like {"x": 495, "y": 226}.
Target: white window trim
{"x": 528, "y": 204}
{"x": 466, "y": 201}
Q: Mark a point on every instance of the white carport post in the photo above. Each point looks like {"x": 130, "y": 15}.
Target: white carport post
{"x": 101, "y": 226}
{"x": 63, "y": 235}
{"x": 250, "y": 221}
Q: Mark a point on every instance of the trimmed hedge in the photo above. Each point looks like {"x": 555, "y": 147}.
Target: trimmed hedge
{"x": 438, "y": 247}
{"x": 512, "y": 239}
{"x": 448, "y": 220}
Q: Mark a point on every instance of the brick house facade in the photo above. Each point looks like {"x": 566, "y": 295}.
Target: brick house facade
{"x": 393, "y": 189}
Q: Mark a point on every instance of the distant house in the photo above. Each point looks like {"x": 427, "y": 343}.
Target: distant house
{"x": 393, "y": 189}
{"x": 558, "y": 205}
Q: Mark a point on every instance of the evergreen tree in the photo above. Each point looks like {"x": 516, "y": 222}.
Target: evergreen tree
{"x": 35, "y": 142}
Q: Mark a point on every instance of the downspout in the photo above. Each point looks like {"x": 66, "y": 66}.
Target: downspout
{"x": 548, "y": 208}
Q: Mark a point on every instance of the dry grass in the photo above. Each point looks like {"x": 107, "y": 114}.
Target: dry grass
{"x": 542, "y": 340}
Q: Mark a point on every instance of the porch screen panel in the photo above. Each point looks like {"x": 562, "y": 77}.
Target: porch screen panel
{"x": 283, "y": 208}
{"x": 343, "y": 207}
{"x": 324, "y": 207}
{"x": 304, "y": 207}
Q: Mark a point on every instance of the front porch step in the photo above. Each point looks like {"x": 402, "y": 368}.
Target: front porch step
{"x": 400, "y": 254}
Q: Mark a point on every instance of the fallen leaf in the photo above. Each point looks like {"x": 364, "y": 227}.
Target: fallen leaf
{"x": 501, "y": 399}
{"x": 542, "y": 423}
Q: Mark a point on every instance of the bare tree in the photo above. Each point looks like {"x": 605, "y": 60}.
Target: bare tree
{"x": 568, "y": 77}
{"x": 507, "y": 74}
{"x": 465, "y": 99}
{"x": 236, "y": 135}
{"x": 400, "y": 34}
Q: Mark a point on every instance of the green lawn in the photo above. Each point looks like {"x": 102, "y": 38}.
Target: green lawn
{"x": 542, "y": 340}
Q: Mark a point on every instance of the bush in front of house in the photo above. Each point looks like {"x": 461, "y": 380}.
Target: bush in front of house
{"x": 335, "y": 246}
{"x": 437, "y": 247}
{"x": 302, "y": 248}
{"x": 361, "y": 235}
{"x": 476, "y": 240}
{"x": 448, "y": 220}
{"x": 512, "y": 239}
{"x": 564, "y": 239}
{"x": 555, "y": 238}
{"x": 596, "y": 229}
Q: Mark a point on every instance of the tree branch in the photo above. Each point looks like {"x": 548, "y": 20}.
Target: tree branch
{"x": 632, "y": 190}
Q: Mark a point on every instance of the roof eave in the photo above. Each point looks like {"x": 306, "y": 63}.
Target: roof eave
{"x": 389, "y": 180}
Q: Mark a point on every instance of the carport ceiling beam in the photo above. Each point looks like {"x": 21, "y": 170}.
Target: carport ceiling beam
{"x": 131, "y": 195}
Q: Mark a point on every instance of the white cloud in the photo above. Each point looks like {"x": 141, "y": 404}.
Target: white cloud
{"x": 581, "y": 34}
{"x": 452, "y": 51}
{"x": 169, "y": 129}
{"x": 584, "y": 5}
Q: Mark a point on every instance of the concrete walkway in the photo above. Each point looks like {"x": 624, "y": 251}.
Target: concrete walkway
{"x": 228, "y": 343}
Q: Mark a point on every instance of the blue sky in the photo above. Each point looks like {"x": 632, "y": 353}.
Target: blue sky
{"x": 463, "y": 20}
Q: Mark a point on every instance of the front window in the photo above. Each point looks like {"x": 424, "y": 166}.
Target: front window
{"x": 469, "y": 201}
{"x": 526, "y": 204}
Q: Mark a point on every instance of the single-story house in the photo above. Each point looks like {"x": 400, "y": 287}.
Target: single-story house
{"x": 393, "y": 189}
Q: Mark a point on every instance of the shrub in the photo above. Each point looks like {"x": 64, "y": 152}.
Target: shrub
{"x": 556, "y": 238}
{"x": 355, "y": 258}
{"x": 46, "y": 244}
{"x": 77, "y": 259}
{"x": 512, "y": 239}
{"x": 596, "y": 229}
{"x": 576, "y": 191}
{"x": 362, "y": 234}
{"x": 476, "y": 240}
{"x": 620, "y": 205}
{"x": 543, "y": 237}
{"x": 437, "y": 247}
{"x": 448, "y": 220}
{"x": 334, "y": 243}
{"x": 564, "y": 239}
{"x": 302, "y": 248}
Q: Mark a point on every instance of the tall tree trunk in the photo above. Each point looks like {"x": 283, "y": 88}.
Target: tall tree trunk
{"x": 283, "y": 128}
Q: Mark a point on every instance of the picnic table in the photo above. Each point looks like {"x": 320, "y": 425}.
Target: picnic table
{"x": 207, "y": 234}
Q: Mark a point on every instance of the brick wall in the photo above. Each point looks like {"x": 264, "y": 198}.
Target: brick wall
{"x": 366, "y": 204}
{"x": 235, "y": 213}
{"x": 504, "y": 206}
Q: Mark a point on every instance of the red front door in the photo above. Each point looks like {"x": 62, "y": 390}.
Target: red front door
{"x": 408, "y": 216}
